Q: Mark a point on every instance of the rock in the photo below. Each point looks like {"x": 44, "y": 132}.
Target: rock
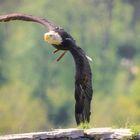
{"x": 109, "y": 133}
{"x": 58, "y": 133}
{"x": 122, "y": 133}
{"x": 75, "y": 134}
{"x": 99, "y": 133}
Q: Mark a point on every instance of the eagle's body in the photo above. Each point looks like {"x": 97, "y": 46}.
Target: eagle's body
{"x": 61, "y": 40}
{"x": 83, "y": 85}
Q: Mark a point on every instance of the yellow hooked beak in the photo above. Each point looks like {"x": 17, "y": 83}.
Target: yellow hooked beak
{"x": 46, "y": 37}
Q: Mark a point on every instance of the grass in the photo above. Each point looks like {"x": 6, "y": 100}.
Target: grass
{"x": 135, "y": 130}
{"x": 84, "y": 125}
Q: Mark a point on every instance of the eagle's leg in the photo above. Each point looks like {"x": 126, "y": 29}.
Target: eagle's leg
{"x": 61, "y": 56}
{"x": 55, "y": 51}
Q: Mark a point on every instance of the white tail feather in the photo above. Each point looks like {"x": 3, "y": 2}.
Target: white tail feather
{"x": 89, "y": 58}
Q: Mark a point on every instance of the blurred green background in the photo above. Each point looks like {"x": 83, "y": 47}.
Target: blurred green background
{"x": 37, "y": 93}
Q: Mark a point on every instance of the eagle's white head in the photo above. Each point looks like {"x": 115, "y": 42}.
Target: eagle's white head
{"x": 53, "y": 38}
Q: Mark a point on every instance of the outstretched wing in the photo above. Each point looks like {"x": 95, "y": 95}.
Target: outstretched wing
{"x": 24, "y": 17}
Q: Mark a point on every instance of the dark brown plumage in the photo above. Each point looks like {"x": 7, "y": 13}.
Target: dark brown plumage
{"x": 83, "y": 77}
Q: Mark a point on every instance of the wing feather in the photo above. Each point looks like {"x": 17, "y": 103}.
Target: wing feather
{"x": 25, "y": 17}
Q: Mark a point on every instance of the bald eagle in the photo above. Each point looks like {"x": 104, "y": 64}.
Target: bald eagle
{"x": 61, "y": 40}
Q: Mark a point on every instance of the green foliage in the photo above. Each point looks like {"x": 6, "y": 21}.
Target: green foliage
{"x": 135, "y": 129}
{"x": 18, "y": 112}
{"x": 85, "y": 125}
{"x": 37, "y": 93}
